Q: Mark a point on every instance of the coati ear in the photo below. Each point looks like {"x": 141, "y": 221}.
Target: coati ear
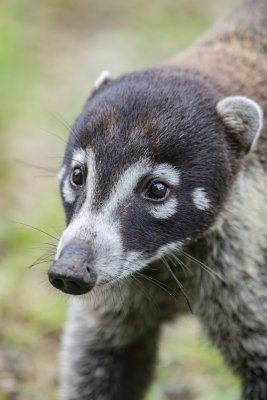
{"x": 103, "y": 77}
{"x": 243, "y": 117}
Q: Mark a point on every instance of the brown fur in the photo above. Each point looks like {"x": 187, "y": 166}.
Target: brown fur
{"x": 234, "y": 55}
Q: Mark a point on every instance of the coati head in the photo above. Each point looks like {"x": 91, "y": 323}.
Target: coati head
{"x": 147, "y": 168}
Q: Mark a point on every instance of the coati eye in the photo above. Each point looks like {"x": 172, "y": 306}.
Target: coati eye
{"x": 157, "y": 191}
{"x": 76, "y": 177}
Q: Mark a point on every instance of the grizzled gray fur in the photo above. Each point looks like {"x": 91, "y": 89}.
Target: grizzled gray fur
{"x": 164, "y": 184}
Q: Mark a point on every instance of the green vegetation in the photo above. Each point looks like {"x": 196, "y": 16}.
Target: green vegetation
{"x": 50, "y": 54}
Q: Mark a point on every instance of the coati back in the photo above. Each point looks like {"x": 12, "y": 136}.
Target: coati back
{"x": 164, "y": 186}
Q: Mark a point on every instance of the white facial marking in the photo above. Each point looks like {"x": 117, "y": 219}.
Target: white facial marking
{"x": 135, "y": 261}
{"x": 78, "y": 157}
{"x": 168, "y": 173}
{"x": 127, "y": 182}
{"x": 77, "y": 228}
{"x": 91, "y": 177}
{"x": 67, "y": 191}
{"x": 200, "y": 199}
{"x": 102, "y": 78}
{"x": 61, "y": 173}
{"x": 164, "y": 210}
{"x": 132, "y": 263}
{"x": 167, "y": 249}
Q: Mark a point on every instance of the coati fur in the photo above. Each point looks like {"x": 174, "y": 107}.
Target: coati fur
{"x": 164, "y": 184}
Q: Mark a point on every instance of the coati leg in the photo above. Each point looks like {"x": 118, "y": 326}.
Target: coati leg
{"x": 255, "y": 388}
{"x": 110, "y": 342}
{"x": 106, "y": 354}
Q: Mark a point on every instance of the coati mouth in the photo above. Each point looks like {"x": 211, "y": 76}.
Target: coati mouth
{"x": 72, "y": 272}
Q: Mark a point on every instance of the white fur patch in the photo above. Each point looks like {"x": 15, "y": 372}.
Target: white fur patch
{"x": 164, "y": 210}
{"x": 67, "y": 191}
{"x": 133, "y": 262}
{"x": 78, "y": 157}
{"x": 61, "y": 173}
{"x": 91, "y": 176}
{"x": 171, "y": 176}
{"x": 127, "y": 182}
{"x": 77, "y": 228}
{"x": 167, "y": 249}
{"x": 200, "y": 199}
{"x": 168, "y": 173}
{"x": 102, "y": 78}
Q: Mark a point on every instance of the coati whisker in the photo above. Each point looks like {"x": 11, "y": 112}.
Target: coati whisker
{"x": 42, "y": 260}
{"x": 55, "y": 135}
{"x": 161, "y": 285}
{"x": 176, "y": 260}
{"x": 49, "y": 244}
{"x": 133, "y": 280}
{"x": 31, "y": 165}
{"x": 48, "y": 256}
{"x": 36, "y": 229}
{"x": 178, "y": 283}
{"x": 43, "y": 247}
{"x": 206, "y": 268}
{"x": 44, "y": 176}
{"x": 63, "y": 121}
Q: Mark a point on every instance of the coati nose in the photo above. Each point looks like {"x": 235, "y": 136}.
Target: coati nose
{"x": 71, "y": 272}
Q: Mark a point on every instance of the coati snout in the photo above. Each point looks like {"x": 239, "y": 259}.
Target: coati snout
{"x": 72, "y": 272}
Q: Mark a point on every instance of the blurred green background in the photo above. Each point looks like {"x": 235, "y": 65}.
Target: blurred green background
{"x": 51, "y": 52}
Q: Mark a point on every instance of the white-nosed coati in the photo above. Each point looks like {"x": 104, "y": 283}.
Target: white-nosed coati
{"x": 164, "y": 185}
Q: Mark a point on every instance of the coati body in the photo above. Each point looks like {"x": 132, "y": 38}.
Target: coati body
{"x": 164, "y": 184}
